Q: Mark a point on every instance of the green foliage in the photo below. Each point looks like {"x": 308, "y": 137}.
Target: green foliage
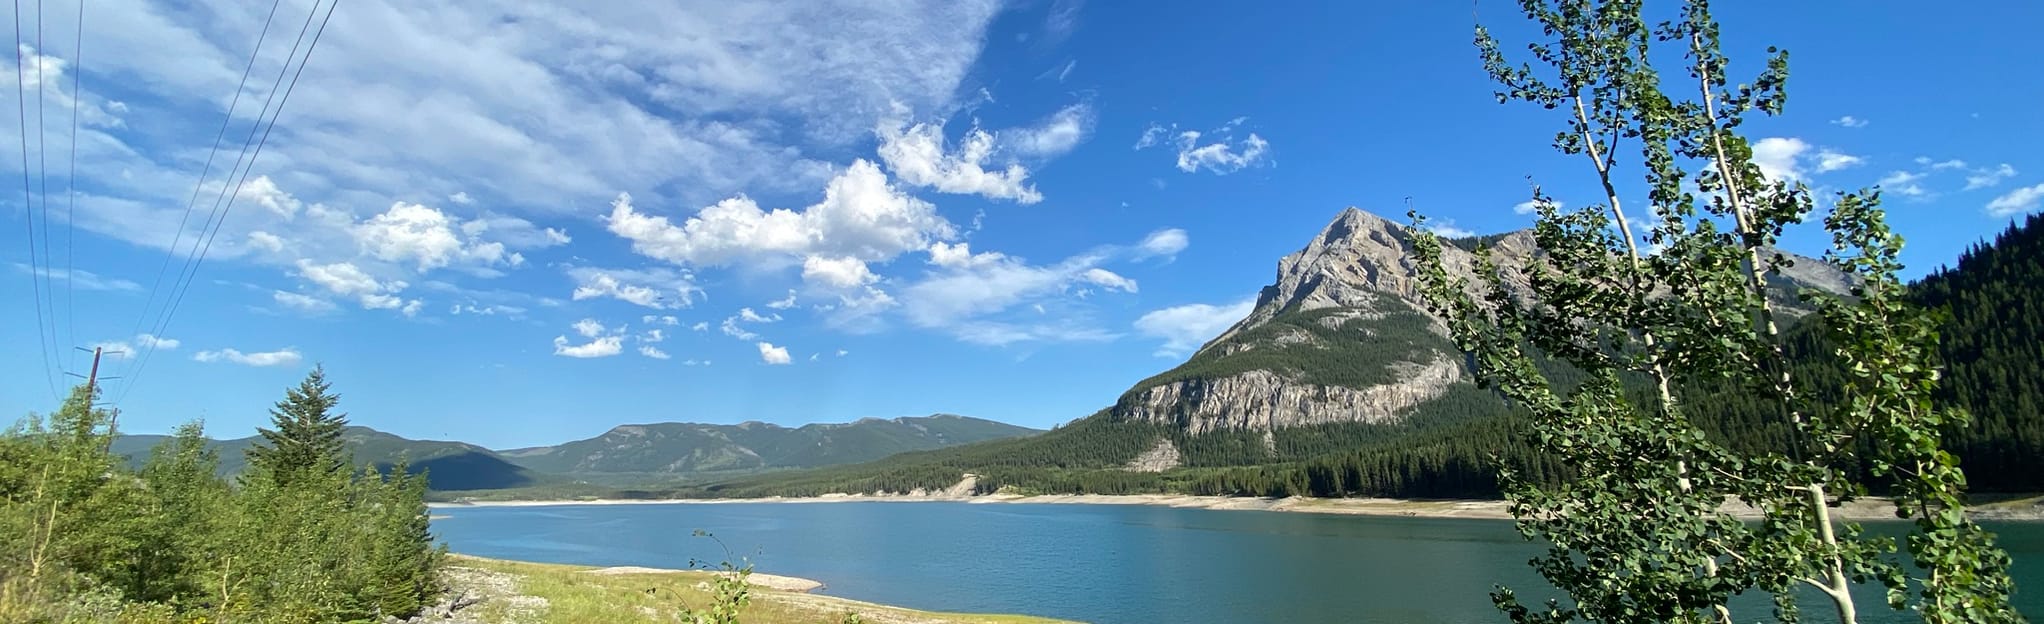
{"x": 1681, "y": 301}
{"x": 87, "y": 539}
{"x": 730, "y": 591}
{"x": 306, "y": 443}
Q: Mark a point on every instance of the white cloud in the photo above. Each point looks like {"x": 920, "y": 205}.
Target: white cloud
{"x": 428, "y": 237}
{"x": 1849, "y": 121}
{"x": 461, "y": 198}
{"x": 287, "y": 356}
{"x": 1902, "y": 183}
{"x": 1108, "y": 279}
{"x": 1167, "y": 242}
{"x": 695, "y": 363}
{"x": 1447, "y": 228}
{"x": 837, "y": 273}
{"x": 1829, "y": 160}
{"x": 599, "y": 347}
{"x": 842, "y": 353}
{"x": 2019, "y": 201}
{"x": 1054, "y": 137}
{"x": 265, "y": 193}
{"x": 531, "y": 106}
{"x": 347, "y": 280}
{"x": 412, "y": 308}
{"x": 155, "y": 342}
{"x": 731, "y": 328}
{"x": 917, "y": 155}
{"x": 861, "y": 216}
{"x": 657, "y": 288}
{"x": 114, "y": 349}
{"x": 653, "y": 352}
{"x": 557, "y": 237}
{"x": 783, "y": 304}
{"x": 749, "y": 316}
{"x": 771, "y": 354}
{"x": 302, "y": 302}
{"x": 590, "y": 328}
{"x": 1530, "y": 206}
{"x": 667, "y": 320}
{"x": 1186, "y": 327}
{"x": 1987, "y": 177}
{"x": 700, "y": 326}
{"x": 1943, "y": 165}
{"x": 1222, "y": 157}
{"x": 265, "y": 241}
{"x": 81, "y": 279}
{"x": 485, "y": 310}
{"x": 1777, "y": 158}
{"x": 653, "y": 335}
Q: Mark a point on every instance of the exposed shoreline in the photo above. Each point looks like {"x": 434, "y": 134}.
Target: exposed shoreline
{"x": 2031, "y": 509}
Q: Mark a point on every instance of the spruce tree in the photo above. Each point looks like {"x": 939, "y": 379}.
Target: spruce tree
{"x": 307, "y": 434}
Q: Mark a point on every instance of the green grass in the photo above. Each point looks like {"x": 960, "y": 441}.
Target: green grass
{"x": 573, "y": 596}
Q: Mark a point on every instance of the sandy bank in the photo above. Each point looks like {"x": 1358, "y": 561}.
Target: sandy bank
{"x": 2027, "y": 509}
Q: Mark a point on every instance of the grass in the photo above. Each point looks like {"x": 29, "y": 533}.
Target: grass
{"x": 550, "y": 593}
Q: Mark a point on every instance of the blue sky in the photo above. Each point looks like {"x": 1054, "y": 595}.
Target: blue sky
{"x": 527, "y": 223}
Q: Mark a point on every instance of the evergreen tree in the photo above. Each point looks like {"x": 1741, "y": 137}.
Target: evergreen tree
{"x": 307, "y": 434}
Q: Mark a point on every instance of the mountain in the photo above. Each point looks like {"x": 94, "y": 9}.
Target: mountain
{"x": 1338, "y": 383}
{"x": 681, "y": 448}
{"x": 448, "y": 465}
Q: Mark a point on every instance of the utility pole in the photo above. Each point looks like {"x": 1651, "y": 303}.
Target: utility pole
{"x": 92, "y": 389}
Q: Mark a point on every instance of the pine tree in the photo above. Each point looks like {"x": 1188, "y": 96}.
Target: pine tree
{"x": 307, "y": 434}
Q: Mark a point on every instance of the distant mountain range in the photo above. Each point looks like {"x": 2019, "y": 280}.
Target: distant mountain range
{"x": 1339, "y": 383}
{"x": 631, "y": 453}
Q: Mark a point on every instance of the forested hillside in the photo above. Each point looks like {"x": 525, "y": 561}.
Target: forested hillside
{"x": 1450, "y": 446}
{"x": 448, "y": 465}
{"x": 664, "y": 450}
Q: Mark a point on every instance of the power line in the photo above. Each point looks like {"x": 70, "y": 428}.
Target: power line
{"x": 71, "y": 179}
{"x": 204, "y": 172}
{"x": 36, "y": 275}
{"x": 274, "y": 116}
{"x": 42, "y": 156}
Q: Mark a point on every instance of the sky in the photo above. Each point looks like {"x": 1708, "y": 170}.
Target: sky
{"x": 522, "y": 223}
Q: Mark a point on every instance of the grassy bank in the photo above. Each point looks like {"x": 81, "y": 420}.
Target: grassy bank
{"x": 512, "y": 592}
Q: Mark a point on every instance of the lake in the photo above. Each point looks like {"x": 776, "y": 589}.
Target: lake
{"x": 1109, "y": 564}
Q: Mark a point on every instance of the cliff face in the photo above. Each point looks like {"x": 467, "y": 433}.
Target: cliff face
{"x": 1342, "y": 336}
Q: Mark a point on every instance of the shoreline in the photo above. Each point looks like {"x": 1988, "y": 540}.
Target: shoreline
{"x": 2029, "y": 510}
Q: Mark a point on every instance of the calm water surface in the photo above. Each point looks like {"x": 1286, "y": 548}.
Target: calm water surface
{"x": 1110, "y": 564}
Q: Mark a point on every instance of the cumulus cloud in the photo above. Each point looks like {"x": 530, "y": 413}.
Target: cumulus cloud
{"x": 667, "y": 320}
{"x": 1108, "y": 279}
{"x": 589, "y": 328}
{"x": 1849, "y": 121}
{"x": 861, "y": 216}
{"x": 1447, "y": 228}
{"x": 265, "y": 241}
{"x": 971, "y": 295}
{"x": 783, "y": 303}
{"x": 1186, "y": 327}
{"x": 771, "y": 354}
{"x": 2019, "y": 201}
{"x": 605, "y": 346}
{"x": 1222, "y": 154}
{"x": 428, "y": 237}
{"x": 838, "y": 273}
{"x": 731, "y": 328}
{"x": 286, "y": 356}
{"x": 513, "y": 104}
{"x": 347, "y": 280}
{"x": 657, "y": 288}
{"x": 917, "y": 154}
{"x": 653, "y": 352}
{"x": 700, "y": 326}
{"x": 1777, "y": 157}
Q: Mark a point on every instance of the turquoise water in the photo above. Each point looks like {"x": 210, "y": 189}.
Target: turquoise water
{"x": 1110, "y": 564}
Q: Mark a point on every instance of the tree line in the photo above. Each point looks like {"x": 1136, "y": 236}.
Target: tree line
{"x": 300, "y": 536}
